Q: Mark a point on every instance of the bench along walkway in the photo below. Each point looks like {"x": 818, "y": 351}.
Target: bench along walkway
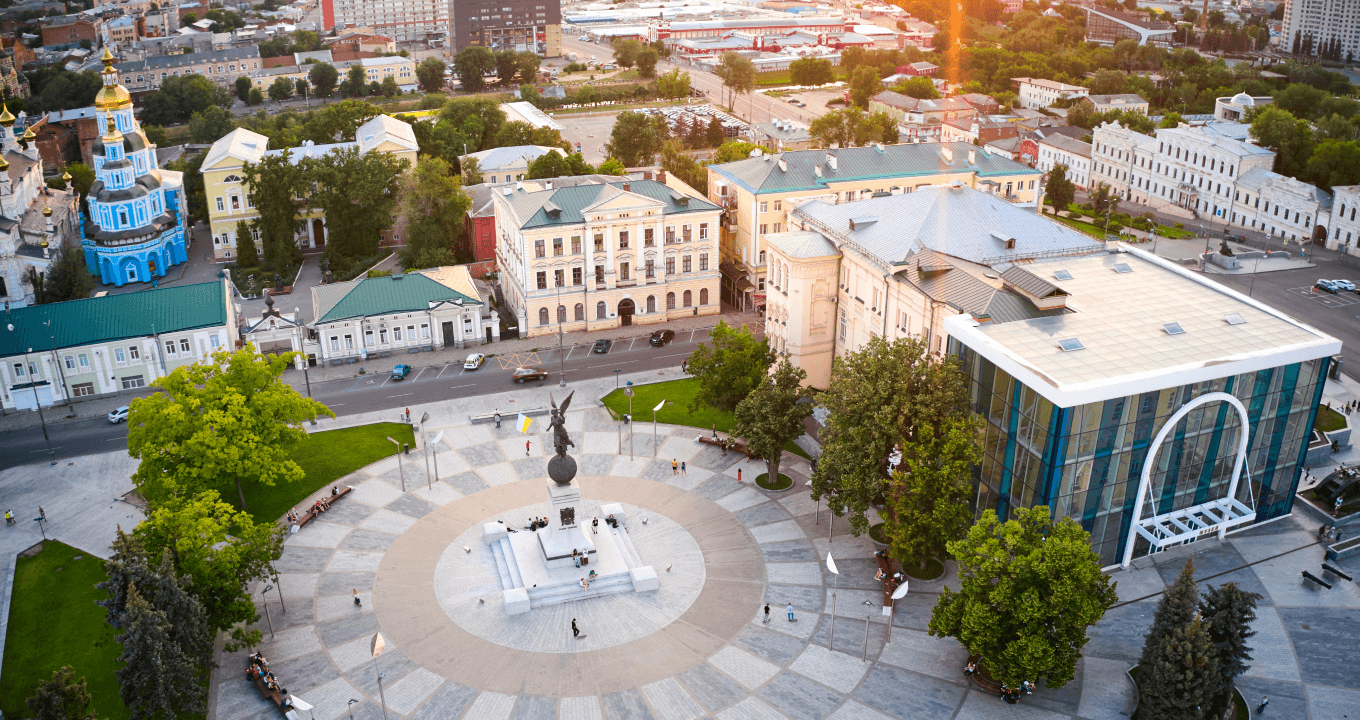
{"x": 312, "y": 512}
{"x": 727, "y": 442}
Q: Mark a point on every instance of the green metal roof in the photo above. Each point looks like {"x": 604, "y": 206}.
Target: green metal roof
{"x": 114, "y": 317}
{"x": 534, "y": 206}
{"x": 392, "y": 294}
{"x": 763, "y": 174}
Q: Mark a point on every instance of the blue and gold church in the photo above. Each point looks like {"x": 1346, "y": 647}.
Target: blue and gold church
{"x": 135, "y": 229}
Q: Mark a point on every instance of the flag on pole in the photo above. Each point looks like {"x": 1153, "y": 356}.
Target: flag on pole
{"x": 523, "y": 422}
{"x": 831, "y": 564}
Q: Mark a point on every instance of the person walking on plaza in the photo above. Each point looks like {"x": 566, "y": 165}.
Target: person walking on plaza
{"x": 357, "y": 601}
{"x": 498, "y": 419}
{"x": 526, "y": 448}
{"x": 42, "y": 513}
{"x": 767, "y": 613}
{"x": 1265, "y": 700}
{"x": 675, "y": 468}
{"x": 738, "y": 474}
{"x": 790, "y": 611}
{"x": 682, "y": 468}
{"x": 575, "y": 631}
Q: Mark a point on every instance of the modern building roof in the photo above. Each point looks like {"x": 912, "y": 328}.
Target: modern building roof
{"x": 785, "y": 130}
{"x": 1125, "y": 347}
{"x": 513, "y": 156}
{"x": 952, "y": 220}
{"x": 566, "y": 206}
{"x": 115, "y": 317}
{"x": 392, "y": 294}
{"x": 948, "y": 281}
{"x": 526, "y": 112}
{"x": 1069, "y": 145}
{"x": 811, "y": 170}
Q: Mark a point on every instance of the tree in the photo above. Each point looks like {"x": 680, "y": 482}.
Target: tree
{"x": 301, "y": 87}
{"x": 518, "y": 132}
{"x": 626, "y": 51}
{"x": 1028, "y": 589}
{"x": 612, "y": 166}
{"x": 338, "y": 122}
{"x": 220, "y": 550}
{"x": 1179, "y": 680}
{"x": 527, "y": 64}
{"x": 1291, "y": 138}
{"x": 738, "y": 75}
{"x": 323, "y": 78}
{"x": 227, "y": 419}
{"x": 281, "y": 89}
{"x": 506, "y": 67}
{"x": 552, "y": 164}
{"x": 390, "y": 88}
{"x": 210, "y": 124}
{"x": 434, "y": 204}
{"x": 1300, "y": 99}
{"x": 673, "y": 84}
{"x": 472, "y": 64}
{"x": 646, "y": 62}
{"x": 243, "y": 86}
{"x": 811, "y": 72}
{"x": 274, "y": 182}
{"x": 772, "y": 415}
{"x": 853, "y": 126}
{"x": 729, "y": 368}
{"x": 430, "y": 74}
{"x": 636, "y": 138}
{"x": 127, "y": 565}
{"x": 155, "y": 134}
{"x": 864, "y": 84}
{"x": 66, "y": 279}
{"x": 255, "y": 97}
{"x": 1228, "y": 611}
{"x": 679, "y": 163}
{"x": 1060, "y": 191}
{"x": 1175, "y": 609}
{"x": 1335, "y": 163}
{"x": 1104, "y": 201}
{"x": 157, "y": 680}
{"x": 247, "y": 256}
{"x": 919, "y": 87}
{"x": 61, "y": 698}
{"x": 1170, "y": 120}
{"x": 472, "y": 173}
{"x": 358, "y": 193}
{"x": 354, "y": 83}
{"x": 180, "y": 97}
{"x": 59, "y": 89}
{"x": 715, "y": 133}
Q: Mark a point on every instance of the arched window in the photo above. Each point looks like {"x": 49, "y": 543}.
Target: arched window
{"x": 543, "y": 316}
{"x": 580, "y": 312}
{"x": 561, "y": 313}
{"x": 689, "y": 298}
{"x": 670, "y": 301}
{"x": 232, "y": 179}
{"x": 703, "y": 296}
{"x": 651, "y": 303}
{"x": 601, "y": 310}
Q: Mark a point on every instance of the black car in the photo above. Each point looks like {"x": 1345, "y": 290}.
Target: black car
{"x": 602, "y": 346}
{"x": 661, "y": 338}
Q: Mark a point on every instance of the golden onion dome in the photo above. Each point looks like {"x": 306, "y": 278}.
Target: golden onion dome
{"x": 4, "y": 164}
{"x": 28, "y": 135}
{"x": 66, "y": 177}
{"x": 6, "y": 118}
{"x": 44, "y": 242}
{"x": 113, "y": 97}
{"x": 47, "y": 212}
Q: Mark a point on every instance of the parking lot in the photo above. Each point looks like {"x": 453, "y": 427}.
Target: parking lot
{"x": 591, "y": 131}
{"x": 1326, "y": 299}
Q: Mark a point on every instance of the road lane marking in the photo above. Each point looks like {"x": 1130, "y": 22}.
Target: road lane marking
{"x": 46, "y": 449}
{"x": 417, "y": 377}
{"x": 625, "y": 362}
{"x": 455, "y": 387}
{"x": 401, "y": 395}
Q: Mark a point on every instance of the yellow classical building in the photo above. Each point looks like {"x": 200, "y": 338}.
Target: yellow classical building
{"x": 229, "y": 199}
{"x": 758, "y": 192}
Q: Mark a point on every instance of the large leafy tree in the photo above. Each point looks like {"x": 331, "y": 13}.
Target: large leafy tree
{"x": 1180, "y": 678}
{"x": 66, "y": 279}
{"x": 158, "y": 680}
{"x": 1028, "y": 589}
{"x": 210, "y": 124}
{"x": 354, "y": 83}
{"x": 626, "y": 51}
{"x": 473, "y": 64}
{"x": 729, "y": 367}
{"x": 646, "y": 62}
{"x": 338, "y": 122}
{"x": 180, "y": 97}
{"x": 673, "y": 84}
{"x": 281, "y": 89}
{"x": 225, "y": 420}
{"x": 928, "y": 493}
{"x": 636, "y": 138}
{"x": 864, "y": 84}
{"x": 1335, "y": 162}
{"x": 434, "y": 205}
{"x": 430, "y": 74}
{"x": 243, "y": 86}
{"x": 323, "y": 77}
{"x": 1229, "y": 611}
{"x": 919, "y": 87}
{"x": 219, "y": 549}
{"x": 679, "y": 163}
{"x": 853, "y": 126}
{"x": 527, "y": 64}
{"x": 1291, "y": 138}
{"x": 358, "y": 193}
{"x": 55, "y": 88}
{"x": 551, "y": 165}
{"x": 811, "y": 72}
{"x": 1059, "y": 191}
{"x": 738, "y": 75}
{"x": 276, "y": 183}
{"x": 772, "y": 415}
{"x": 61, "y": 698}
{"x": 506, "y": 67}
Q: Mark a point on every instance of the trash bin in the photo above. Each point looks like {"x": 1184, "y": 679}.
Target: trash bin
{"x": 406, "y": 447}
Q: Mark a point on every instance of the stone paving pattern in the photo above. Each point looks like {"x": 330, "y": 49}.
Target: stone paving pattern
{"x": 715, "y": 658}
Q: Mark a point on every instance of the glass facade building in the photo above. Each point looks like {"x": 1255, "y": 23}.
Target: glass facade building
{"x": 1085, "y": 461}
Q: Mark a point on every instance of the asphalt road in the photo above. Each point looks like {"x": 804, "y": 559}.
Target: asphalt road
{"x": 378, "y": 391}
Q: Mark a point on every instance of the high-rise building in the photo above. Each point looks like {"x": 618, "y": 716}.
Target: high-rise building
{"x": 519, "y": 25}
{"x": 136, "y": 223}
{"x": 401, "y": 20}
{"x": 1328, "y": 28}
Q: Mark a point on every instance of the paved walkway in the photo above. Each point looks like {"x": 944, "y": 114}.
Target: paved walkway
{"x": 710, "y": 656}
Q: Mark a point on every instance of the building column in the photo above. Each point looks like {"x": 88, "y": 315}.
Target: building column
{"x": 311, "y": 234}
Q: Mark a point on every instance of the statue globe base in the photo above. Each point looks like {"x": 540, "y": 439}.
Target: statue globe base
{"x": 562, "y": 469}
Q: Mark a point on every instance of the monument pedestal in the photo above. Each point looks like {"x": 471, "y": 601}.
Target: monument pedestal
{"x": 565, "y": 531}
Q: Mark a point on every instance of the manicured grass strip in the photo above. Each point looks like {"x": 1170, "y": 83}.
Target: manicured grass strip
{"x": 53, "y": 621}
{"x": 679, "y": 393}
{"x": 325, "y": 457}
{"x": 785, "y": 482}
{"x": 1328, "y": 420}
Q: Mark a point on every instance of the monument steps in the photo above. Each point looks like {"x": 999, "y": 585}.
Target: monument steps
{"x": 569, "y": 592}
{"x": 507, "y": 570}
{"x": 625, "y": 546}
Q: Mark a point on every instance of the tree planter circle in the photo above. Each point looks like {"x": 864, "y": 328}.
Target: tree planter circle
{"x": 877, "y": 536}
{"x": 784, "y": 483}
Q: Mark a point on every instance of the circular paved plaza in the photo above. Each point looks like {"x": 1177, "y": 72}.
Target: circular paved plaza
{"x": 695, "y": 648}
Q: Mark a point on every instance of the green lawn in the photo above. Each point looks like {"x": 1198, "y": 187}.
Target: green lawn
{"x": 781, "y": 77}
{"x": 1328, "y": 420}
{"x": 679, "y": 393}
{"x": 325, "y": 457}
{"x": 53, "y": 621}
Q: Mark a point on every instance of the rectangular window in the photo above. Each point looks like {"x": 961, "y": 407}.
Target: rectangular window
{"x": 71, "y": 360}
{"x": 764, "y": 207}
{"x": 538, "y": 248}
{"x": 599, "y": 242}
{"x": 623, "y": 271}
{"x": 576, "y": 245}
{"x": 623, "y": 239}
{"x": 703, "y": 262}
{"x": 184, "y": 345}
{"x": 424, "y": 330}
{"x": 221, "y": 207}
{"x": 649, "y": 237}
{"x": 764, "y": 228}
{"x": 703, "y": 231}
{"x": 686, "y": 264}
{"x": 135, "y": 381}
{"x": 335, "y": 344}
{"x": 396, "y": 333}
{"x": 118, "y": 355}
{"x": 349, "y": 342}
{"x": 576, "y": 274}
{"x": 18, "y": 370}
{"x": 82, "y": 389}
{"x": 559, "y": 278}
{"x": 778, "y": 205}
{"x": 85, "y": 361}
{"x": 170, "y": 347}
{"x": 135, "y": 353}
{"x": 214, "y": 342}
{"x": 368, "y": 338}
{"x": 651, "y": 268}
{"x": 670, "y": 266}
{"x": 687, "y": 231}
{"x": 557, "y": 247}
{"x": 542, "y": 280}
{"x": 382, "y": 336}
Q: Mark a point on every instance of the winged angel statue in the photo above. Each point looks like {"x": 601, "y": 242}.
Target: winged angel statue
{"x": 558, "y": 423}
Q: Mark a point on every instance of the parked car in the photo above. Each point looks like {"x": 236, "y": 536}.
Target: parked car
{"x": 400, "y": 372}
{"x": 523, "y": 374}
{"x": 662, "y": 337}
{"x": 473, "y": 361}
{"x": 602, "y": 346}
{"x": 119, "y": 415}
{"x": 1327, "y": 286}
{"x": 1346, "y": 285}
{"x": 792, "y": 101}
{"x": 800, "y": 103}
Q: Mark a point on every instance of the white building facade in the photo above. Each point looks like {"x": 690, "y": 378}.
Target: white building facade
{"x": 1315, "y": 23}
{"x": 1344, "y": 223}
{"x": 1057, "y": 150}
{"x": 1280, "y": 206}
{"x": 1038, "y": 93}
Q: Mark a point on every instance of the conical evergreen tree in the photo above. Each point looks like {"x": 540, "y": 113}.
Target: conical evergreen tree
{"x": 61, "y": 699}
{"x": 125, "y": 566}
{"x": 1229, "y": 610}
{"x": 247, "y": 255}
{"x": 1179, "y": 679}
{"x": 158, "y": 681}
{"x": 188, "y": 622}
{"x": 1176, "y": 609}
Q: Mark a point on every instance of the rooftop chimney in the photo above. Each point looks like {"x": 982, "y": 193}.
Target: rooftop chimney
{"x": 947, "y": 152}
{"x": 972, "y": 156}
{"x": 628, "y": 187}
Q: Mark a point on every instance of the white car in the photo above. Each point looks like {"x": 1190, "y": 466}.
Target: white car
{"x": 1346, "y": 285}
{"x": 119, "y": 415}
{"x": 473, "y": 361}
